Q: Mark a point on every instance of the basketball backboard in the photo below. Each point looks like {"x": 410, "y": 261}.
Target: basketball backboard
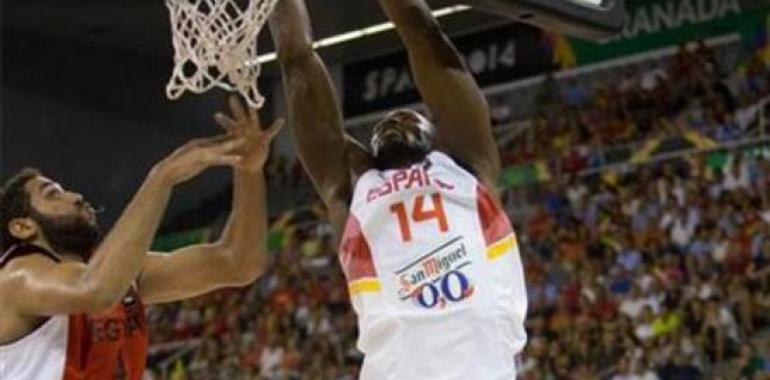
{"x": 592, "y": 19}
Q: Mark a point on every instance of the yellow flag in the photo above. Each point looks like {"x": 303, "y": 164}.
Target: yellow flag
{"x": 178, "y": 373}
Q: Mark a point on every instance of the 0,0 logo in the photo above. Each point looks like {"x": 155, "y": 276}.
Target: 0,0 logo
{"x": 453, "y": 287}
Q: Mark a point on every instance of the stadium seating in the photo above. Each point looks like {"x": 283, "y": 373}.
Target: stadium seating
{"x": 639, "y": 266}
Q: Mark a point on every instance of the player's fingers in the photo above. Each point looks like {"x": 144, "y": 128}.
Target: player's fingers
{"x": 200, "y": 143}
{"x": 237, "y": 108}
{"x": 192, "y": 143}
{"x": 227, "y": 146}
{"x": 224, "y": 160}
{"x": 275, "y": 128}
{"x": 225, "y": 122}
{"x": 214, "y": 141}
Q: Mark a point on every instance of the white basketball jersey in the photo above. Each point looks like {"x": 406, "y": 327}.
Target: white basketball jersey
{"x": 39, "y": 355}
{"x": 434, "y": 276}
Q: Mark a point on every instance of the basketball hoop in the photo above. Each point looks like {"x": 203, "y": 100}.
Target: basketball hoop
{"x": 215, "y": 45}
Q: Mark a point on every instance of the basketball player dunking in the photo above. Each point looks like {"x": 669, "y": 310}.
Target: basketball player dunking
{"x": 431, "y": 260}
{"x": 72, "y": 307}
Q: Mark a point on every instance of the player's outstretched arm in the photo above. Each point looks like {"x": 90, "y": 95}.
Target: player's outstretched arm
{"x": 34, "y": 285}
{"x": 314, "y": 111}
{"x": 447, "y": 87}
{"x": 240, "y": 255}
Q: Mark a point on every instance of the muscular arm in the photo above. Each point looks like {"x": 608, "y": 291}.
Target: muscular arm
{"x": 238, "y": 258}
{"x": 35, "y": 285}
{"x": 314, "y": 111}
{"x": 448, "y": 89}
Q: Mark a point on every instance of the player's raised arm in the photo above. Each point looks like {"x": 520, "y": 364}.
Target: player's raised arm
{"x": 240, "y": 255}
{"x": 36, "y": 285}
{"x": 447, "y": 87}
{"x": 314, "y": 112}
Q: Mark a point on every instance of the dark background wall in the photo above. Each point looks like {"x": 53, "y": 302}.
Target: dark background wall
{"x": 97, "y": 119}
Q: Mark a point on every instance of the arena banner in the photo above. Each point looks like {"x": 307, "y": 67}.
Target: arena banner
{"x": 654, "y": 24}
{"x": 496, "y": 55}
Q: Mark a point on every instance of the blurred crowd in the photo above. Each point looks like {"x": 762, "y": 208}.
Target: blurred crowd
{"x": 579, "y": 120}
{"x": 659, "y": 271}
{"x": 296, "y": 323}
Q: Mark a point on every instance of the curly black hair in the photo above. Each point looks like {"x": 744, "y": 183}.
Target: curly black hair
{"x": 14, "y": 203}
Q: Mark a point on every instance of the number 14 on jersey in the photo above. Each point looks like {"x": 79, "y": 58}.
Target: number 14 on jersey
{"x": 420, "y": 214}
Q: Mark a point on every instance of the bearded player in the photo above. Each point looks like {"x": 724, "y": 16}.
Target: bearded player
{"x": 431, "y": 259}
{"x": 72, "y": 306}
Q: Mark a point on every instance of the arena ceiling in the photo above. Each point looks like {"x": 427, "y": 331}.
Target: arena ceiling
{"x": 142, "y": 27}
{"x": 75, "y": 69}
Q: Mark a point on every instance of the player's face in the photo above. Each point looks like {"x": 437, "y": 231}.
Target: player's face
{"x": 402, "y": 137}
{"x": 67, "y": 222}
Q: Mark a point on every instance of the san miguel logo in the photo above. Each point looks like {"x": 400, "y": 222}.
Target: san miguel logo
{"x": 437, "y": 278}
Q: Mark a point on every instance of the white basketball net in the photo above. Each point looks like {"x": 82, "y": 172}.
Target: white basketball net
{"x": 215, "y": 44}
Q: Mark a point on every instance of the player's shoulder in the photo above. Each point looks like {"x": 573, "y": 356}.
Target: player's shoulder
{"x": 464, "y": 166}
{"x": 30, "y": 260}
{"x": 20, "y": 268}
{"x": 487, "y": 181}
{"x": 448, "y": 157}
{"x": 16, "y": 272}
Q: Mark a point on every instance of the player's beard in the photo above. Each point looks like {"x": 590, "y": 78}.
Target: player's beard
{"x": 70, "y": 234}
{"x": 399, "y": 155}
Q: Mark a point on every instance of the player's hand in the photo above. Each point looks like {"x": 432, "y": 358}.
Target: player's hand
{"x": 246, "y": 125}
{"x": 198, "y": 155}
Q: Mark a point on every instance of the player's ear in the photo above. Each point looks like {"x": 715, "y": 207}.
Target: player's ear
{"x": 23, "y": 228}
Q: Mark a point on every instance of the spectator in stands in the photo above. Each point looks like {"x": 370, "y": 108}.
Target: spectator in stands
{"x": 656, "y": 271}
